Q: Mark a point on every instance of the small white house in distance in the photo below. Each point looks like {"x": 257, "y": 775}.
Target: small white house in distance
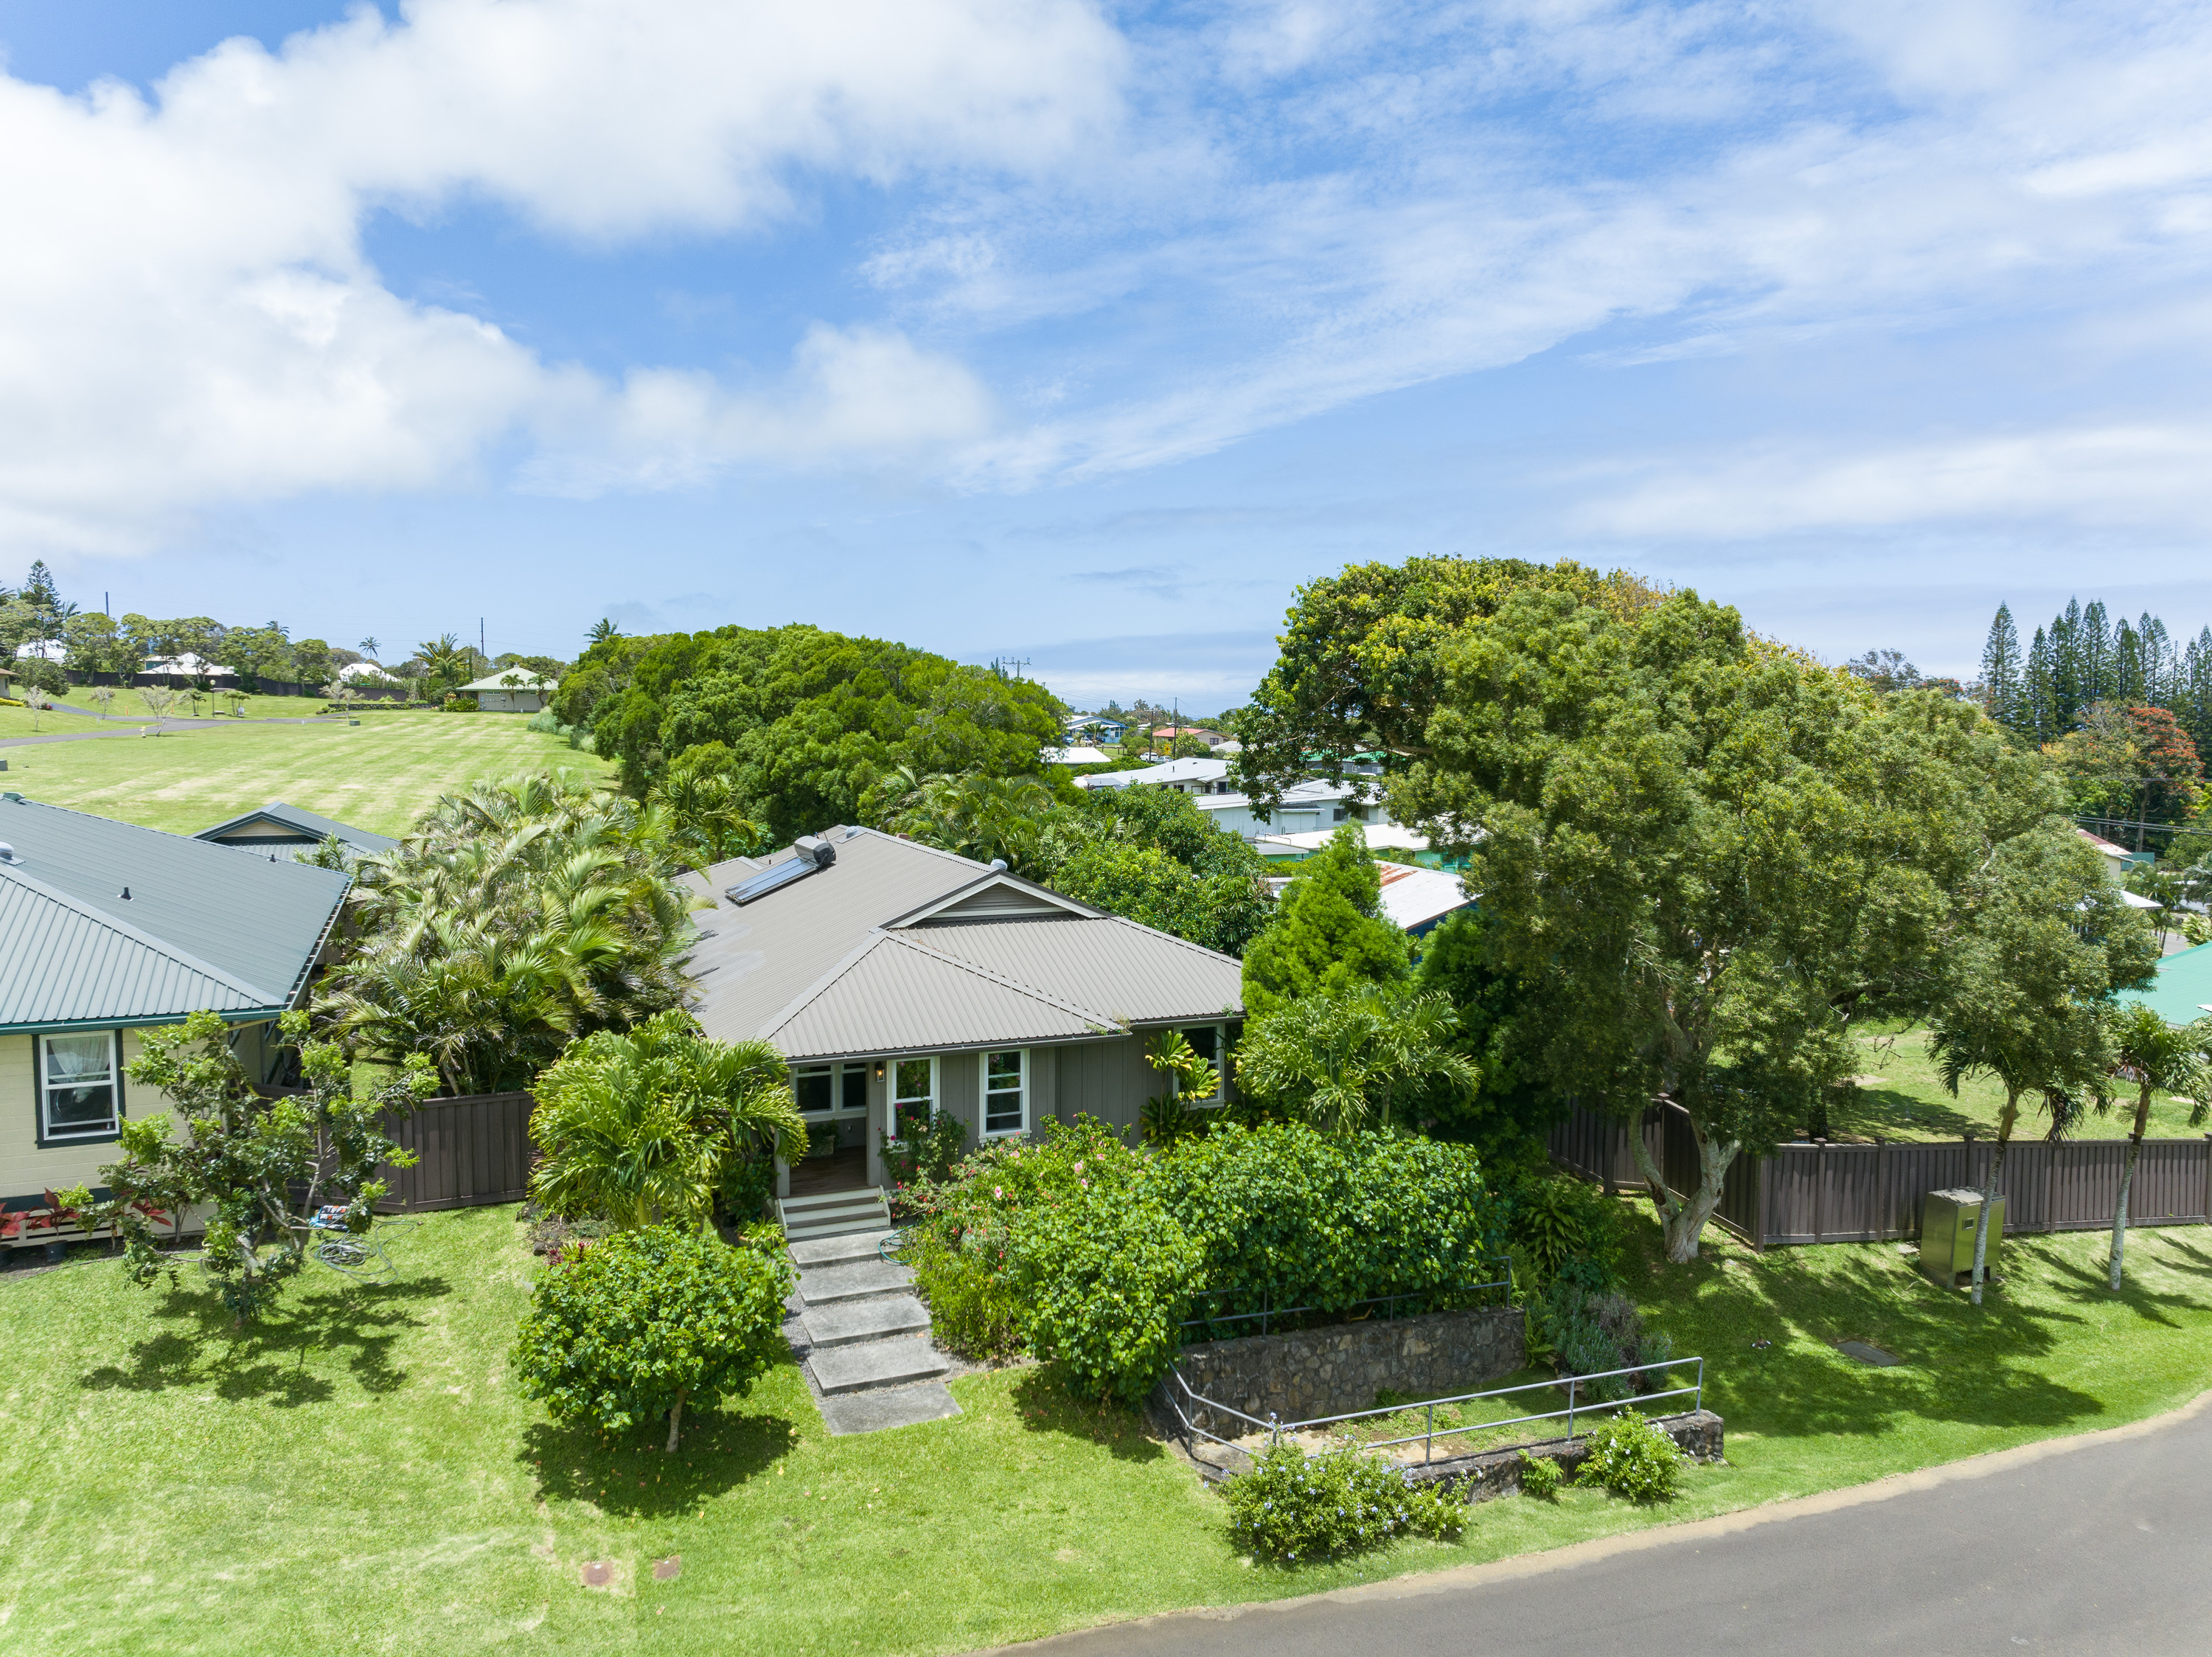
{"x": 1075, "y": 756}
{"x": 188, "y": 665}
{"x": 511, "y": 690}
{"x": 1199, "y": 777}
{"x": 42, "y": 649}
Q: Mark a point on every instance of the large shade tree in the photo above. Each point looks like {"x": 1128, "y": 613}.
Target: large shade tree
{"x": 1710, "y": 857}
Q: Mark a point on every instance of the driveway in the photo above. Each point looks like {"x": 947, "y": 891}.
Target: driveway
{"x": 2100, "y": 1543}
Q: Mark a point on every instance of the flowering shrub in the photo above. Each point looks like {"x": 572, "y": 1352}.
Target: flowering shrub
{"x": 1292, "y": 1506}
{"x": 1632, "y": 1457}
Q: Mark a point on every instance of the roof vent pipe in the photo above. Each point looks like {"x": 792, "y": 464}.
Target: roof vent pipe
{"x": 7, "y": 853}
{"x": 999, "y": 865}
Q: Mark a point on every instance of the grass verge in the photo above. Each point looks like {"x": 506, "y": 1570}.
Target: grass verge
{"x": 379, "y": 774}
{"x": 362, "y": 1475}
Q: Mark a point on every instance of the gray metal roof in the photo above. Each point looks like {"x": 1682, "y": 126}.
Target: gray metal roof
{"x": 304, "y": 825}
{"x": 205, "y": 925}
{"x": 867, "y": 957}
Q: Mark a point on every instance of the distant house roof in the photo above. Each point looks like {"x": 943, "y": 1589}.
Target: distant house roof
{"x": 201, "y": 925}
{"x": 1416, "y": 899}
{"x": 1387, "y": 836}
{"x": 189, "y": 666}
{"x": 897, "y": 947}
{"x": 1171, "y": 773}
{"x": 524, "y": 680}
{"x": 1074, "y": 756}
{"x": 2183, "y": 991}
{"x": 277, "y": 825}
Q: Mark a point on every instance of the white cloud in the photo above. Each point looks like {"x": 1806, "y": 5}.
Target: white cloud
{"x": 2094, "y": 477}
{"x": 186, "y": 316}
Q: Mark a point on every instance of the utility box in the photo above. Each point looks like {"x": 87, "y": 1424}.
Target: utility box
{"x": 1949, "y": 1220}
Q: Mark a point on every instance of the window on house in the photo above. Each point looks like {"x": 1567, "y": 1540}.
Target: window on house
{"x": 913, "y": 1088}
{"x": 813, "y": 1086}
{"x": 1205, "y": 1040}
{"x": 1005, "y": 1094}
{"x": 1340, "y": 815}
{"x": 79, "y": 1096}
{"x": 852, "y": 1090}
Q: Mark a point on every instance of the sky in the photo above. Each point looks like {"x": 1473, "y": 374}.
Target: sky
{"x": 1081, "y": 335}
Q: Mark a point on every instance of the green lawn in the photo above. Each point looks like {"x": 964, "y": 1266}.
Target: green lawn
{"x": 363, "y": 1476}
{"x": 379, "y": 774}
{"x": 1900, "y": 1096}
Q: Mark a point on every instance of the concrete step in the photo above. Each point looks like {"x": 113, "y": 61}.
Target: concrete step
{"x": 885, "y": 1407}
{"x": 838, "y": 1250}
{"x": 845, "y": 1323}
{"x": 872, "y": 1364}
{"x": 839, "y": 1214}
{"x": 857, "y": 1279}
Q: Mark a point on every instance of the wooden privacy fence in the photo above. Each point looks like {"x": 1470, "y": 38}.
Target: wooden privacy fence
{"x": 469, "y": 1153}
{"x": 1828, "y": 1193}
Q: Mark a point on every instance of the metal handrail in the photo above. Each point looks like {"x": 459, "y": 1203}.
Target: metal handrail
{"x": 1268, "y": 1313}
{"x": 1275, "y": 1427}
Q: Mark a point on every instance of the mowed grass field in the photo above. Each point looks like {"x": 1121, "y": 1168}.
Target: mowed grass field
{"x": 360, "y": 1474}
{"x": 379, "y": 774}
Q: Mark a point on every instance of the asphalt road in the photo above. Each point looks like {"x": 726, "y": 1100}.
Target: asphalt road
{"x": 2096, "y": 1545}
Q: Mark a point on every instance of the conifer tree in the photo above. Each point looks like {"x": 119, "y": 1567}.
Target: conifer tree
{"x": 2001, "y": 670}
{"x": 2039, "y": 692}
{"x": 1330, "y": 935}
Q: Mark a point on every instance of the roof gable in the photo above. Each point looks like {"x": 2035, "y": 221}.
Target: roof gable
{"x": 277, "y": 823}
{"x": 998, "y": 896}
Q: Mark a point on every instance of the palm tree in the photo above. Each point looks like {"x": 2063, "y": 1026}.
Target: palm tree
{"x": 2157, "y": 1057}
{"x": 984, "y": 818}
{"x": 369, "y": 646}
{"x": 1342, "y": 1061}
{"x": 601, "y": 630}
{"x": 639, "y": 1127}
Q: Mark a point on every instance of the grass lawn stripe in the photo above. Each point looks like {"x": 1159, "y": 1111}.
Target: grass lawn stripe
{"x": 379, "y": 774}
{"x": 362, "y": 1474}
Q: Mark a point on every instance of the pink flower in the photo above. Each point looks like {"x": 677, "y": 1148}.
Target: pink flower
{"x": 1079, "y": 1167}
{"x": 998, "y": 1190}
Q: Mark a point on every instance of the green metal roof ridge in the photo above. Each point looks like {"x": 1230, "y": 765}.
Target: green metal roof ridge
{"x": 117, "y": 924}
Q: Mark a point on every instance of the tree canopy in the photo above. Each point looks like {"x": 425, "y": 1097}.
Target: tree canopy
{"x": 1328, "y": 936}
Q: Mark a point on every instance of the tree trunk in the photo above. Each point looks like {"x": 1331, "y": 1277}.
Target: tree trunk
{"x": 2127, "y": 1178}
{"x": 675, "y": 1420}
{"x": 1990, "y": 1189}
{"x": 1682, "y": 1222}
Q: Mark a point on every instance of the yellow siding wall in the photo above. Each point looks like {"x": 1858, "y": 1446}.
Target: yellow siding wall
{"x": 25, "y": 1170}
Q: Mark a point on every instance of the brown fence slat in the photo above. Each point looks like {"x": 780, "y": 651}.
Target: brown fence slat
{"x": 1836, "y": 1193}
{"x": 470, "y": 1153}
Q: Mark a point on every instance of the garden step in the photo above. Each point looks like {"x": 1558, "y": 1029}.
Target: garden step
{"x": 877, "y": 1363}
{"x": 847, "y": 1322}
{"x": 856, "y": 1280}
{"x": 884, "y": 1407}
{"x": 843, "y": 1213}
{"x": 838, "y": 1250}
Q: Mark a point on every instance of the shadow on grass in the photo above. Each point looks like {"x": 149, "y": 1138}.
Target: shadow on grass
{"x": 1970, "y": 1366}
{"x": 636, "y": 1478}
{"x": 269, "y": 1360}
{"x": 1869, "y": 1112}
{"x": 1047, "y": 1404}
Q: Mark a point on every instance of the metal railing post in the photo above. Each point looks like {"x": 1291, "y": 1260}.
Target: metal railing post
{"x": 1274, "y": 1431}
{"x": 1571, "y": 1404}
{"x": 1429, "y": 1452}
{"x": 1701, "y": 1383}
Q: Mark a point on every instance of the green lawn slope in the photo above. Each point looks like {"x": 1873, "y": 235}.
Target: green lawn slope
{"x": 379, "y": 774}
{"x": 361, "y": 1474}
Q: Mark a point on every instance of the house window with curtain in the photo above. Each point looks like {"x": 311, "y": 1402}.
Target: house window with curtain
{"x": 1005, "y": 1093}
{"x": 79, "y": 1086}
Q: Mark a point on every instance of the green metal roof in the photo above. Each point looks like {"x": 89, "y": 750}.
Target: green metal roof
{"x": 203, "y": 925}
{"x": 2183, "y": 992}
{"x": 302, "y": 826}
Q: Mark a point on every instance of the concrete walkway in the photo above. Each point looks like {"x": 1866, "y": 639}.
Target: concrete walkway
{"x": 2092, "y": 1545}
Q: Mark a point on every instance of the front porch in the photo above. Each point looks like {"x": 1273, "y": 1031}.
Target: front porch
{"x": 846, "y": 1169}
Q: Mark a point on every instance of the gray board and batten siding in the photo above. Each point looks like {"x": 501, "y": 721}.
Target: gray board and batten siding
{"x": 1832, "y": 1193}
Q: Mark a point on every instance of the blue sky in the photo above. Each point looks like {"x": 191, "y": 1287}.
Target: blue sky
{"x": 1084, "y": 334}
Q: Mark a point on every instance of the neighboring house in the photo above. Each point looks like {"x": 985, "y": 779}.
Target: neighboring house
{"x": 274, "y": 824}
{"x": 1381, "y": 837}
{"x": 1072, "y": 756}
{"x": 1194, "y": 776}
{"x": 1306, "y": 808}
{"x": 2182, "y": 992}
{"x": 355, "y": 673}
{"x": 511, "y": 690}
{"x": 1414, "y": 900}
{"x": 896, "y": 977}
{"x": 1096, "y": 727}
{"x": 2118, "y": 860}
{"x": 108, "y": 929}
{"x": 187, "y": 666}
{"x": 43, "y": 649}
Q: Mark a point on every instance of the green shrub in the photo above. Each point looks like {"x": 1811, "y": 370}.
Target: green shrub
{"x": 1558, "y": 1219}
{"x": 1590, "y": 1330}
{"x": 747, "y": 1183}
{"x": 1632, "y": 1457}
{"x": 973, "y": 1309}
{"x": 1540, "y": 1477}
{"x": 629, "y": 1329}
{"x": 923, "y": 1152}
{"x": 1294, "y": 1217}
{"x": 1294, "y": 1506}
{"x": 1104, "y": 1278}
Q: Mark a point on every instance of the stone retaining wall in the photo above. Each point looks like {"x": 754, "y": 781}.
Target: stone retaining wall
{"x": 1332, "y": 1371}
{"x": 1497, "y": 1473}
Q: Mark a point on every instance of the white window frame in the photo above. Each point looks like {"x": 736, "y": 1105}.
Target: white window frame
{"x": 43, "y": 1088}
{"x": 983, "y": 1128}
{"x": 891, "y": 1099}
{"x": 837, "y": 1073}
{"x": 1218, "y": 1097}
